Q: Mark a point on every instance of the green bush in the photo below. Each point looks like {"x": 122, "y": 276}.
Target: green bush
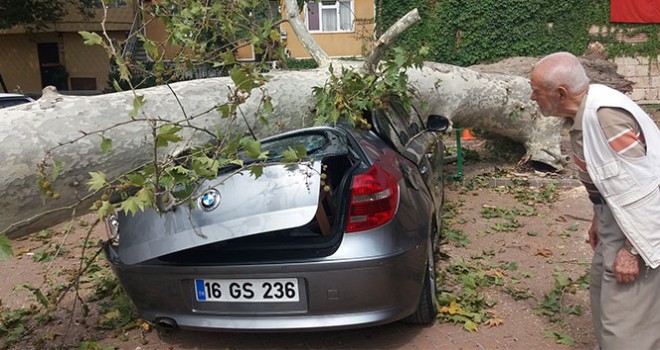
{"x": 466, "y": 32}
{"x": 303, "y": 63}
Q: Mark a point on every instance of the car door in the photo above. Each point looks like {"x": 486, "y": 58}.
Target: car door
{"x": 406, "y": 132}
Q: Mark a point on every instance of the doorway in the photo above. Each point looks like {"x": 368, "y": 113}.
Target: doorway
{"x": 51, "y": 70}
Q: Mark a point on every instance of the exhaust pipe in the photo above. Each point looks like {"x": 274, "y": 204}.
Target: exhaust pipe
{"x": 166, "y": 323}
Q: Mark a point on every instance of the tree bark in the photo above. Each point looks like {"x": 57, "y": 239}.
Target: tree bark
{"x": 497, "y": 103}
{"x": 494, "y": 102}
{"x": 392, "y": 33}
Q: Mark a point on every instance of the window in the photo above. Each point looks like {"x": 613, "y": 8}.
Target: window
{"x": 83, "y": 83}
{"x": 329, "y": 16}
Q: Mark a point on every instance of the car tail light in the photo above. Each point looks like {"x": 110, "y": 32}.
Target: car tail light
{"x": 374, "y": 198}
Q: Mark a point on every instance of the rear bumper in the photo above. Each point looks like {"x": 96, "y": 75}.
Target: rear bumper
{"x": 335, "y": 293}
{"x": 277, "y": 323}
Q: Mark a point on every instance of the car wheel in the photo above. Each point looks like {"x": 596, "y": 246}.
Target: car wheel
{"x": 427, "y": 308}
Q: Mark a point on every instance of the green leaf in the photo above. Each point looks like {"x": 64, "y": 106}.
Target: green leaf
{"x": 227, "y": 59}
{"x": 40, "y": 297}
{"x": 37, "y": 293}
{"x": 294, "y": 154}
{"x": 179, "y": 169}
{"x": 105, "y": 210}
{"x": 560, "y": 338}
{"x": 98, "y": 180}
{"x": 562, "y": 280}
{"x": 423, "y": 51}
{"x": 274, "y": 35}
{"x": 242, "y": 80}
{"x": 56, "y": 170}
{"x": 361, "y": 103}
{"x": 149, "y": 47}
{"x": 510, "y": 266}
{"x": 233, "y": 145}
{"x": 289, "y": 156}
{"x": 131, "y": 205}
{"x": 145, "y": 197}
{"x": 166, "y": 134}
{"x": 43, "y": 255}
{"x": 257, "y": 170}
{"x": 115, "y": 85}
{"x": 205, "y": 167}
{"x": 226, "y": 110}
{"x": 91, "y": 38}
{"x": 136, "y": 179}
{"x": 238, "y": 77}
{"x": 124, "y": 73}
{"x": 301, "y": 151}
{"x": 469, "y": 281}
{"x": 252, "y": 148}
{"x": 106, "y": 145}
{"x": 566, "y": 339}
{"x": 574, "y": 310}
{"x": 138, "y": 102}
{"x": 470, "y": 326}
{"x": 268, "y": 105}
{"x": 5, "y": 248}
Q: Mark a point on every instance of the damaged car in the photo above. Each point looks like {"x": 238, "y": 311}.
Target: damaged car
{"x": 10, "y": 100}
{"x": 344, "y": 238}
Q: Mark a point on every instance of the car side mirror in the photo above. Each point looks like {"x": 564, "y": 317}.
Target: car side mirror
{"x": 437, "y": 123}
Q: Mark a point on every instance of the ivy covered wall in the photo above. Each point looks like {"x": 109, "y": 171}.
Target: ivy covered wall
{"x": 466, "y": 32}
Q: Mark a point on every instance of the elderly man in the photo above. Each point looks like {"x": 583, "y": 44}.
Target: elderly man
{"x": 617, "y": 149}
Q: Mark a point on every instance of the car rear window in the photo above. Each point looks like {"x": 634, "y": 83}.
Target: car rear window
{"x": 312, "y": 143}
{"x": 10, "y": 102}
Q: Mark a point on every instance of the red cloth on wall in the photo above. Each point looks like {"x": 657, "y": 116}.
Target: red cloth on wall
{"x": 635, "y": 11}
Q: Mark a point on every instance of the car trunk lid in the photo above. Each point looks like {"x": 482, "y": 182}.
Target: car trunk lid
{"x": 233, "y": 205}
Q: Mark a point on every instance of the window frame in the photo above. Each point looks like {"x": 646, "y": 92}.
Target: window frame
{"x": 337, "y": 5}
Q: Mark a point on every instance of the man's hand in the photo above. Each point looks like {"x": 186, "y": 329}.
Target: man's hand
{"x": 593, "y": 233}
{"x": 626, "y": 266}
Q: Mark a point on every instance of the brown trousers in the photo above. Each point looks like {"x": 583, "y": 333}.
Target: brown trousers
{"x": 625, "y": 316}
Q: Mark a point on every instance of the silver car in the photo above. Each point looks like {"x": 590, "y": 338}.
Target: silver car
{"x": 11, "y": 100}
{"x": 343, "y": 239}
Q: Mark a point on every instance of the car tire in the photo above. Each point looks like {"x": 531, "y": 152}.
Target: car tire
{"x": 427, "y": 308}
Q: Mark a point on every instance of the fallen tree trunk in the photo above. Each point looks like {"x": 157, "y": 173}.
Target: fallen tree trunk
{"x": 496, "y": 103}
{"x": 69, "y": 129}
{"x": 493, "y": 102}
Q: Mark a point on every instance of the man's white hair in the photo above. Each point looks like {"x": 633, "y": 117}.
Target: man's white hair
{"x": 563, "y": 69}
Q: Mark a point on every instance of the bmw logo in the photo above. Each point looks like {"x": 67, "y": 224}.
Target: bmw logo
{"x": 210, "y": 200}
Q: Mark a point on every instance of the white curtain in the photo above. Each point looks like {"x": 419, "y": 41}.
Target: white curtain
{"x": 329, "y": 19}
{"x": 345, "y": 16}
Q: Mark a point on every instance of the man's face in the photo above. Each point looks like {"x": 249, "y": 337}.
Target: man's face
{"x": 547, "y": 99}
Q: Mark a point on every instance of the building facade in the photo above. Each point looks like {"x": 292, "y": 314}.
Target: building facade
{"x": 58, "y": 56}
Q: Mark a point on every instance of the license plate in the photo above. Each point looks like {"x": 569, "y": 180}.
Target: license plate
{"x": 248, "y": 290}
